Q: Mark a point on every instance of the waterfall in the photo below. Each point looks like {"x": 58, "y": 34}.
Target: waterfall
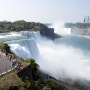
{"x": 67, "y": 31}
{"x": 24, "y": 47}
{"x": 60, "y": 29}
{"x": 66, "y": 57}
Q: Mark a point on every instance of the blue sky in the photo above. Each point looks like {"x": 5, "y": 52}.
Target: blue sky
{"x": 46, "y": 11}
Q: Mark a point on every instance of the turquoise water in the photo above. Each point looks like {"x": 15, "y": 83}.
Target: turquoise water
{"x": 66, "y": 57}
{"x": 77, "y": 42}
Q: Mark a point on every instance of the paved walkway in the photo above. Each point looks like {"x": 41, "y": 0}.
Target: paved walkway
{"x": 5, "y": 64}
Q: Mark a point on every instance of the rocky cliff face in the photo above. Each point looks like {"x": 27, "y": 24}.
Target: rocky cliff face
{"x": 49, "y": 33}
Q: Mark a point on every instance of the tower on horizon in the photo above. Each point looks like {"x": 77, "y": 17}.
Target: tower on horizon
{"x": 86, "y": 19}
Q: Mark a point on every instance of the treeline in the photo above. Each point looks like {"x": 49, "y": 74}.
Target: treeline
{"x": 21, "y": 25}
{"x": 78, "y": 25}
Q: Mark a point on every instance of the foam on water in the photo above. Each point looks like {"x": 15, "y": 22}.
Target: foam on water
{"x": 66, "y": 57}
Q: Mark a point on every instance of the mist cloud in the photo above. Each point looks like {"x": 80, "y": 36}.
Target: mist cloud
{"x": 62, "y": 61}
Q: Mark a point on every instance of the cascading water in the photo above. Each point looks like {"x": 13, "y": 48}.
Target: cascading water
{"x": 60, "y": 29}
{"x": 24, "y": 47}
{"x": 66, "y": 57}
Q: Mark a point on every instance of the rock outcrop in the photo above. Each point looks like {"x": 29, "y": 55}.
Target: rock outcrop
{"x": 49, "y": 33}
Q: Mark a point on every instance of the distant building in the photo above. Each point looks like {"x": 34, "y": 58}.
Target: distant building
{"x": 80, "y": 28}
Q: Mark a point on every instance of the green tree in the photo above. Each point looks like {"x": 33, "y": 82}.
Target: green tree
{"x": 5, "y": 47}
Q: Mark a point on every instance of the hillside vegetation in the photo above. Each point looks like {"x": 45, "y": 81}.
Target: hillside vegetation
{"x": 21, "y": 25}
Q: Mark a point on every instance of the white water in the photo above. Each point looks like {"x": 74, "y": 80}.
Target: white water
{"x": 59, "y": 28}
{"x": 64, "y": 61}
{"x": 66, "y": 57}
{"x": 24, "y": 47}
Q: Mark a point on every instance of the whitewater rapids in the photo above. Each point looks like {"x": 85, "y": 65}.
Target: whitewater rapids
{"x": 66, "y": 57}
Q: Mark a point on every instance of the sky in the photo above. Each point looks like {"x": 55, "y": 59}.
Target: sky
{"x": 45, "y": 11}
